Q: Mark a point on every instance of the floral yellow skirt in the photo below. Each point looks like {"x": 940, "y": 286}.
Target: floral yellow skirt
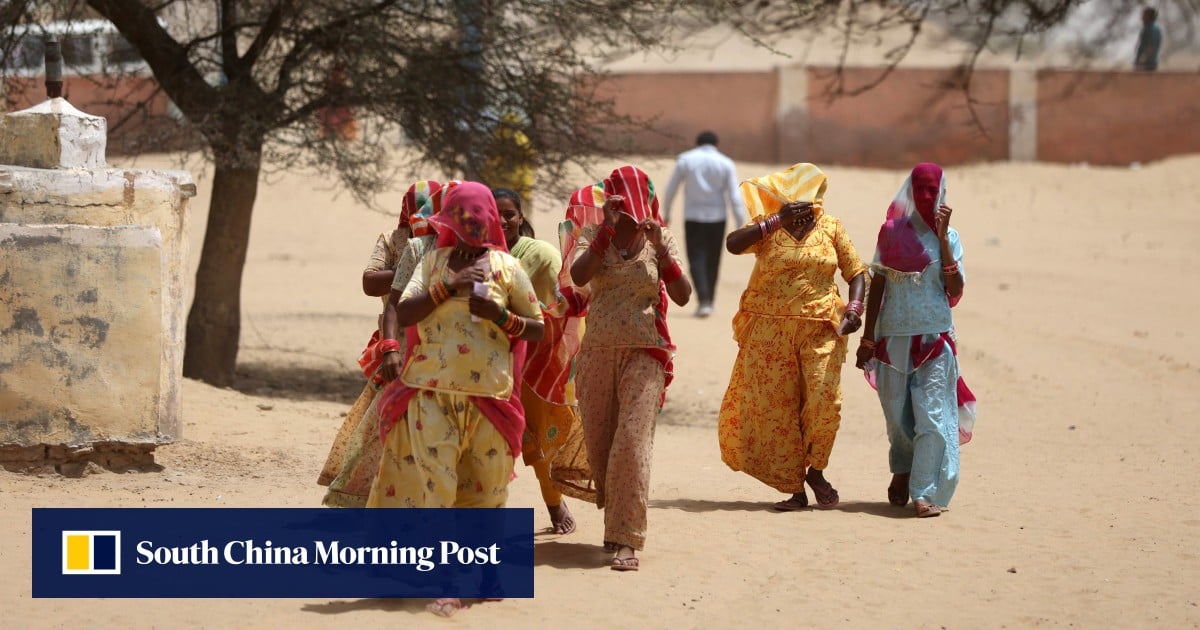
{"x": 353, "y": 460}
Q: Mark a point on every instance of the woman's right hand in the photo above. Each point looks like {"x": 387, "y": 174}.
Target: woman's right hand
{"x": 392, "y": 364}
{"x": 796, "y": 212}
{"x": 466, "y": 278}
{"x": 612, "y": 209}
{"x": 863, "y": 356}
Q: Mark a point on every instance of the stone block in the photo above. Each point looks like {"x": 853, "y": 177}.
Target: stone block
{"x": 53, "y": 134}
{"x": 85, "y": 352}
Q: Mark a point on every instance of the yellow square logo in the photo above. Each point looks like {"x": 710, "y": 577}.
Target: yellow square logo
{"x": 91, "y": 552}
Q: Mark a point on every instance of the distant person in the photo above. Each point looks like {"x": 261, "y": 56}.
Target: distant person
{"x": 710, "y": 181}
{"x": 1149, "y": 42}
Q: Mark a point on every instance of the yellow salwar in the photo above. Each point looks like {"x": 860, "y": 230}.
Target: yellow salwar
{"x": 445, "y": 454}
{"x": 782, "y": 408}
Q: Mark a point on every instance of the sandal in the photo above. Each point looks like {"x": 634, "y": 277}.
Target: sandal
{"x": 624, "y": 564}
{"x": 797, "y": 502}
{"x": 827, "y": 496}
{"x": 445, "y": 607}
{"x": 898, "y": 490}
{"x": 926, "y": 509}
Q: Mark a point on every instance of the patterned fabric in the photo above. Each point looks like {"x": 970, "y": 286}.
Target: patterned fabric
{"x": 353, "y": 459}
{"x": 782, "y": 409}
{"x": 465, "y": 356}
{"x": 583, "y": 219}
{"x": 417, "y": 206}
{"x": 786, "y": 367}
{"x": 620, "y": 390}
{"x": 446, "y": 453}
{"x": 542, "y": 263}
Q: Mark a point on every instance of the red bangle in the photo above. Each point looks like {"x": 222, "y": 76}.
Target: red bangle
{"x": 389, "y": 345}
{"x": 671, "y": 273}
{"x": 603, "y": 239}
{"x": 856, "y": 306}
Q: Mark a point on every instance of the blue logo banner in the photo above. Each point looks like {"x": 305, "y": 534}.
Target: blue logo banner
{"x": 282, "y": 552}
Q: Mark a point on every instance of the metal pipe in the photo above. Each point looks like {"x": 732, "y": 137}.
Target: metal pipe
{"x": 54, "y": 69}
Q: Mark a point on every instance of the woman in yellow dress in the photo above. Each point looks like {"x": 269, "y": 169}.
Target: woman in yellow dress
{"x": 782, "y": 409}
{"x": 451, "y": 419}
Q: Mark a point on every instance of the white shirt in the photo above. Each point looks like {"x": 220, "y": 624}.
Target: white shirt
{"x": 710, "y": 181}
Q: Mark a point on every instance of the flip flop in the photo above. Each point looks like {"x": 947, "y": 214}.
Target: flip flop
{"x": 792, "y": 505}
{"x": 624, "y": 564}
{"x": 827, "y": 497}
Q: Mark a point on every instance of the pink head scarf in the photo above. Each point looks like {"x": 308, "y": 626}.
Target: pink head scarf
{"x": 635, "y": 186}
{"x": 904, "y": 238}
{"x": 468, "y": 214}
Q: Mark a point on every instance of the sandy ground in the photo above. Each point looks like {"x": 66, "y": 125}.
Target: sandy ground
{"x": 1078, "y": 504}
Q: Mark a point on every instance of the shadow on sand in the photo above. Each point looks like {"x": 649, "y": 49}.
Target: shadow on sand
{"x": 280, "y": 380}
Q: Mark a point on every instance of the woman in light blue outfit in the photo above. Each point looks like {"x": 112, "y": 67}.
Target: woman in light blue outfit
{"x": 909, "y": 346}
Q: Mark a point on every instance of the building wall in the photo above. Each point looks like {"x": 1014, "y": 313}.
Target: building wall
{"x": 1117, "y": 117}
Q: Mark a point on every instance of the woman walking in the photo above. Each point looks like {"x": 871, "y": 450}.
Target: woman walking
{"x": 782, "y": 408}
{"x": 909, "y": 346}
{"x": 624, "y": 266}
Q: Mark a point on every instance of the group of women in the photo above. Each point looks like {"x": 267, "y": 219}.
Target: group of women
{"x": 480, "y": 354}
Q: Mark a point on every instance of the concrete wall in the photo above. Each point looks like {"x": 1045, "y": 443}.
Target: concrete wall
{"x": 91, "y": 297}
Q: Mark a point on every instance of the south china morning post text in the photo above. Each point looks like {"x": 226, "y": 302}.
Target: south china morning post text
{"x": 282, "y": 552}
{"x": 238, "y": 552}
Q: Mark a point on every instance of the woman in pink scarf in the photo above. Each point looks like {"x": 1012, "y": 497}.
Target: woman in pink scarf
{"x": 622, "y": 270}
{"x": 909, "y": 346}
{"x": 451, "y": 418}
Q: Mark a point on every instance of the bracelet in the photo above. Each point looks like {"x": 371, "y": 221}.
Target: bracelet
{"x": 500, "y": 321}
{"x": 514, "y": 326}
{"x": 389, "y": 345}
{"x": 774, "y": 222}
{"x": 950, "y": 270}
{"x": 867, "y": 343}
{"x": 603, "y": 240}
{"x": 856, "y": 307}
{"x": 439, "y": 292}
{"x": 671, "y": 273}
{"x": 762, "y": 229}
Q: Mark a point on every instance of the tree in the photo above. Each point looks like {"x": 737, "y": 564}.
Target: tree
{"x": 259, "y": 81}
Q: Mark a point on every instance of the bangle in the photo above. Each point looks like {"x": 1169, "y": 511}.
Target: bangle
{"x": 514, "y": 326}
{"x": 389, "y": 345}
{"x": 867, "y": 343}
{"x": 439, "y": 292}
{"x": 671, "y": 273}
{"x": 950, "y": 270}
{"x": 603, "y": 240}
{"x": 500, "y": 321}
{"x": 762, "y": 228}
{"x": 855, "y": 306}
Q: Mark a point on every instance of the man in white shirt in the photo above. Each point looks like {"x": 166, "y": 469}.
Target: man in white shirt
{"x": 710, "y": 181}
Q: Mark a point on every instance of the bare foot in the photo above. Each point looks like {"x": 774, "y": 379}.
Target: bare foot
{"x": 561, "y": 519}
{"x": 926, "y": 509}
{"x": 445, "y": 607}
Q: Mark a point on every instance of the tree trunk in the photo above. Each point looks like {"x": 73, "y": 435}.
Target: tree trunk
{"x": 214, "y": 322}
